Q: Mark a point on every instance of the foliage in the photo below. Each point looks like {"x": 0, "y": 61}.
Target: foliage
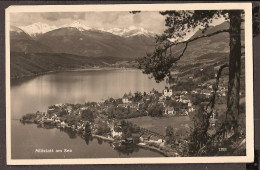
{"x": 160, "y": 62}
{"x": 87, "y": 115}
{"x": 76, "y": 106}
{"x": 87, "y": 129}
{"x": 29, "y": 116}
{"x": 91, "y": 104}
{"x": 53, "y": 109}
{"x": 72, "y": 119}
{"x": 187, "y": 85}
{"x": 136, "y": 139}
{"x": 117, "y": 112}
{"x": 110, "y": 101}
{"x": 103, "y": 128}
{"x": 62, "y": 113}
{"x": 197, "y": 99}
{"x": 170, "y": 138}
{"x": 156, "y": 109}
{"x": 137, "y": 97}
{"x": 199, "y": 136}
{"x": 205, "y": 74}
{"x": 128, "y": 129}
{"x": 134, "y": 113}
{"x": 120, "y": 112}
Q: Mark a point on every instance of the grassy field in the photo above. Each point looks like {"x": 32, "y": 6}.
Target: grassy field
{"x": 159, "y": 124}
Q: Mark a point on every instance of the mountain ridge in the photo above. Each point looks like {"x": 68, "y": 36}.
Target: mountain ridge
{"x": 86, "y": 46}
{"x": 37, "y": 29}
{"x": 91, "y": 42}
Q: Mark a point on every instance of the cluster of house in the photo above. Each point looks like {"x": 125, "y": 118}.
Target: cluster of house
{"x": 178, "y": 96}
{"x": 127, "y": 102}
{"x": 167, "y": 94}
{"x": 53, "y": 119}
{"x": 145, "y": 136}
{"x": 207, "y": 90}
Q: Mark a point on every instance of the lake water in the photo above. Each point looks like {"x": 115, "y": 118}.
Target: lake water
{"x": 37, "y": 93}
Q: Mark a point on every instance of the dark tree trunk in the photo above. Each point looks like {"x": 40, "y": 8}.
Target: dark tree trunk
{"x": 234, "y": 71}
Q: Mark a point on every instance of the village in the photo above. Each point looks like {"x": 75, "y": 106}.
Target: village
{"x": 110, "y": 119}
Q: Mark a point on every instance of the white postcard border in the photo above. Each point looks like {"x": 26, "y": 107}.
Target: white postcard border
{"x": 141, "y": 7}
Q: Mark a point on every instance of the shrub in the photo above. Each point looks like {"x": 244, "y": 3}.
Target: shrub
{"x": 102, "y": 128}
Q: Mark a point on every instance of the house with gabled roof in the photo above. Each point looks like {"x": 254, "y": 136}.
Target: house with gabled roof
{"x": 126, "y": 99}
{"x": 169, "y": 111}
{"x": 167, "y": 92}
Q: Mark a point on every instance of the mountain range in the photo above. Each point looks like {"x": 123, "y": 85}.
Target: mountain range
{"x": 78, "y": 39}
{"x": 36, "y": 29}
{"x": 76, "y": 45}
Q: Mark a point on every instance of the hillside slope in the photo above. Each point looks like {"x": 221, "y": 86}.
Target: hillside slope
{"x": 37, "y": 63}
{"x": 71, "y": 47}
{"x": 95, "y": 43}
{"x": 22, "y": 42}
{"x": 73, "y": 39}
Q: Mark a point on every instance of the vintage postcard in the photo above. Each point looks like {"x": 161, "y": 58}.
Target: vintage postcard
{"x": 129, "y": 83}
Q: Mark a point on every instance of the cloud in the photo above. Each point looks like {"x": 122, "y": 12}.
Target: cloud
{"x": 22, "y": 19}
{"x": 54, "y": 16}
{"x": 151, "y": 20}
{"x": 137, "y": 19}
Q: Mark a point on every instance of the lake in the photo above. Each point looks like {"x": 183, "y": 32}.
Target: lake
{"x": 37, "y": 93}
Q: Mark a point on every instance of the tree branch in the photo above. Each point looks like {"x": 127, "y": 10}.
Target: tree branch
{"x": 211, "y": 104}
{"x": 199, "y": 37}
{"x": 173, "y": 59}
{"x": 212, "y": 101}
{"x": 167, "y": 59}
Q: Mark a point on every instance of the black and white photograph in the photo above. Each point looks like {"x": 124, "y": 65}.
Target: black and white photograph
{"x": 119, "y": 84}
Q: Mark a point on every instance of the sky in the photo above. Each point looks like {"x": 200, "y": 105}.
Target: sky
{"x": 151, "y": 21}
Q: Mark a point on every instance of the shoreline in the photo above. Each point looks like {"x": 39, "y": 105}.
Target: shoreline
{"x": 104, "y": 138}
{"x": 71, "y": 70}
{"x": 138, "y": 144}
{"x": 153, "y": 149}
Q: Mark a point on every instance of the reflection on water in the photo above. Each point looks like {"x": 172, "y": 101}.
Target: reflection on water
{"x": 126, "y": 149}
{"x": 122, "y": 149}
{"x": 70, "y": 132}
{"x": 37, "y": 93}
{"x": 100, "y": 141}
{"x": 28, "y": 138}
{"x": 88, "y": 139}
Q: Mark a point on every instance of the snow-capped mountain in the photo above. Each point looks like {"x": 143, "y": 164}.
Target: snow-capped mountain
{"x": 78, "y": 25}
{"x": 130, "y": 31}
{"x": 22, "y": 42}
{"x": 79, "y": 39}
{"x": 37, "y": 28}
{"x": 40, "y": 28}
